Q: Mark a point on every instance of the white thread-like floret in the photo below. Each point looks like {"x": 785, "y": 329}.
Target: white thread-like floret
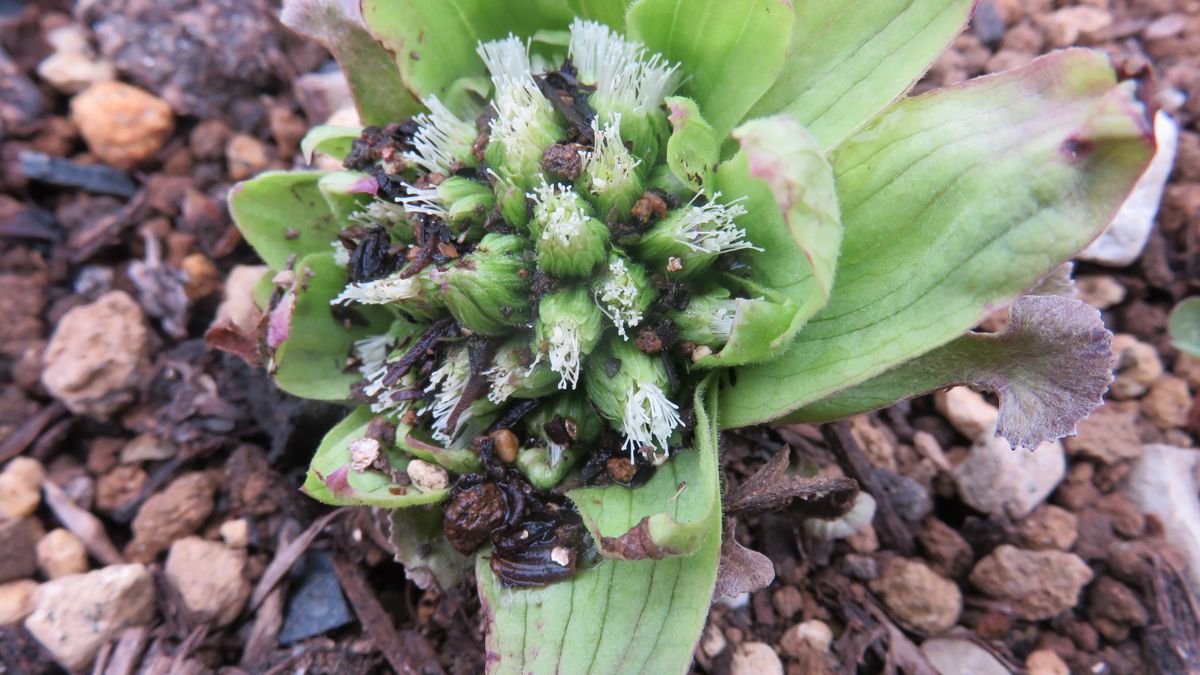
{"x": 379, "y": 212}
{"x": 609, "y": 164}
{"x": 710, "y": 228}
{"x": 721, "y": 322}
{"x": 506, "y": 59}
{"x": 442, "y": 139}
{"x": 626, "y": 76}
{"x": 521, "y": 113}
{"x": 379, "y": 291}
{"x": 618, "y": 298}
{"x": 561, "y": 210}
{"x": 565, "y": 354}
{"x": 650, "y": 417}
{"x": 446, "y": 385}
{"x": 422, "y": 201}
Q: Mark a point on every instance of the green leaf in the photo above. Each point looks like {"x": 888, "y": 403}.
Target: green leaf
{"x": 954, "y": 202}
{"x": 1184, "y": 326}
{"x": 669, "y": 515}
{"x": 1050, "y": 368}
{"x": 371, "y": 72}
{"x": 849, "y": 60}
{"x": 608, "y": 12}
{"x": 311, "y": 359}
{"x": 692, "y": 150}
{"x": 332, "y": 140}
{"x": 619, "y": 616}
{"x": 434, "y": 42}
{"x": 331, "y": 480}
{"x": 419, "y": 544}
{"x": 283, "y": 214}
{"x": 730, "y": 51}
{"x": 761, "y": 328}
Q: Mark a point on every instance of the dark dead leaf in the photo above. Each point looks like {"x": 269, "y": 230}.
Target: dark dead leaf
{"x": 740, "y": 570}
{"x": 771, "y": 487}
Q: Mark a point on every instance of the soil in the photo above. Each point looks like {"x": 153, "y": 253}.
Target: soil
{"x": 190, "y": 441}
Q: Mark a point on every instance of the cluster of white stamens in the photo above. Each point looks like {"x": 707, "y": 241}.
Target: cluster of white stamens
{"x": 565, "y": 353}
{"x": 618, "y": 298}
{"x": 442, "y": 139}
{"x": 446, "y": 386}
{"x": 378, "y": 292}
{"x": 379, "y": 212}
{"x": 650, "y": 417}
{"x": 721, "y": 322}
{"x": 506, "y": 59}
{"x": 609, "y": 164}
{"x": 625, "y": 75}
{"x": 710, "y": 228}
{"x": 422, "y": 200}
{"x": 522, "y": 112}
{"x": 561, "y": 209}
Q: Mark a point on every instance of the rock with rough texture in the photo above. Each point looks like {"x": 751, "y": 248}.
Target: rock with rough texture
{"x": 1038, "y": 584}
{"x": 1168, "y": 403}
{"x": 1125, "y": 237}
{"x": 1163, "y": 484}
{"x": 945, "y": 548}
{"x": 21, "y": 487}
{"x": 996, "y": 479}
{"x": 1114, "y": 609}
{"x": 16, "y": 601}
{"x": 952, "y": 656}
{"x": 96, "y": 355}
{"x": 174, "y": 513}
{"x": 74, "y": 65}
{"x": 1108, "y": 435}
{"x": 918, "y": 597}
{"x": 236, "y": 533}
{"x": 122, "y": 125}
{"x": 74, "y": 616}
{"x": 210, "y": 578}
{"x": 1137, "y": 367}
{"x": 813, "y": 634}
{"x": 1046, "y": 662}
{"x": 61, "y": 553}
{"x": 1049, "y": 528}
{"x": 755, "y": 658}
{"x": 246, "y": 156}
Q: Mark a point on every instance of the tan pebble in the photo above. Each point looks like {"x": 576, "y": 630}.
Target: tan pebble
{"x": 122, "y": 125}
{"x": 210, "y": 578}
{"x": 427, "y": 476}
{"x": 21, "y": 487}
{"x": 246, "y": 156}
{"x": 236, "y": 533}
{"x": 203, "y": 277}
{"x": 506, "y": 445}
{"x": 61, "y": 553}
{"x": 755, "y": 658}
{"x": 1046, "y": 662}
{"x": 16, "y": 600}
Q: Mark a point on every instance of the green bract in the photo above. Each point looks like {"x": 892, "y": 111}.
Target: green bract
{"x": 581, "y": 237}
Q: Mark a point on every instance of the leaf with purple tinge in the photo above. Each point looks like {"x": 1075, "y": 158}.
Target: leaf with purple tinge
{"x": 374, "y": 78}
{"x": 740, "y": 569}
{"x": 1050, "y": 368}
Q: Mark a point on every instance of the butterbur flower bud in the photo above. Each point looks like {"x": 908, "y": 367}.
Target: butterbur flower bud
{"x": 569, "y": 242}
{"x": 486, "y": 290}
{"x": 631, "y": 390}
{"x": 689, "y": 239}
{"x": 707, "y": 320}
{"x": 465, "y": 200}
{"x": 525, "y": 121}
{"x": 623, "y": 293}
{"x": 610, "y": 173}
{"x": 560, "y": 432}
{"x": 443, "y": 141}
{"x": 568, "y": 327}
{"x": 417, "y": 294}
{"x": 517, "y": 372}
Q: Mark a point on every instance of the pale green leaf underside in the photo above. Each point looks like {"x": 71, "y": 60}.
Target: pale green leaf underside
{"x": 954, "y": 202}
{"x": 730, "y": 51}
{"x": 369, "y": 488}
{"x": 848, "y": 60}
{"x": 374, "y": 80}
{"x": 283, "y": 213}
{"x": 334, "y": 141}
{"x": 1184, "y": 326}
{"x": 434, "y": 42}
{"x": 671, "y": 512}
{"x": 312, "y": 361}
{"x": 617, "y": 617}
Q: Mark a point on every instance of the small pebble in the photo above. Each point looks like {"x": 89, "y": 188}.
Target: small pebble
{"x": 426, "y": 476}
{"x": 16, "y": 600}
{"x": 61, "y": 553}
{"x": 21, "y": 487}
{"x": 122, "y": 125}
{"x": 755, "y": 658}
{"x": 1046, "y": 662}
{"x": 918, "y": 597}
{"x": 236, "y": 533}
{"x": 210, "y": 578}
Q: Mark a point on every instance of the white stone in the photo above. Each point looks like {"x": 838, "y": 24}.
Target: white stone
{"x": 950, "y": 656}
{"x": 74, "y": 616}
{"x": 1163, "y": 483}
{"x": 999, "y": 480}
{"x": 755, "y": 658}
{"x": 427, "y": 476}
{"x": 967, "y": 411}
{"x": 1122, "y": 242}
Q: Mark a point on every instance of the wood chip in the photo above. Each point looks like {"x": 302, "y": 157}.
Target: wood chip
{"x": 82, "y": 524}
